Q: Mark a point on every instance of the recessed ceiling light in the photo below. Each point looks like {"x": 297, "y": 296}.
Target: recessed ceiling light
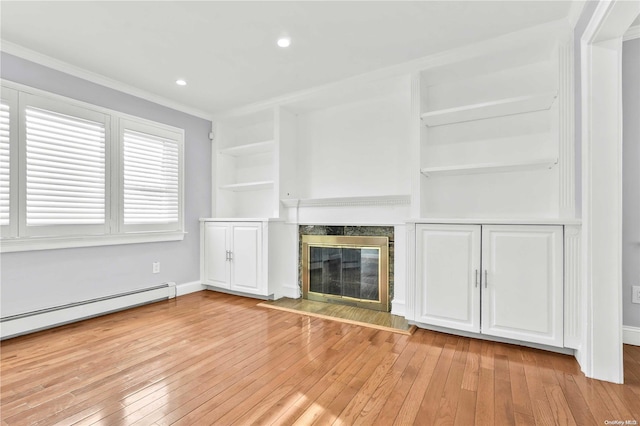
{"x": 284, "y": 42}
{"x": 181, "y": 82}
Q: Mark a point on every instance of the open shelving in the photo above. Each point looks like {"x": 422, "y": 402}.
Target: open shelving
{"x": 484, "y": 110}
{"x": 249, "y": 149}
{"x": 248, "y": 186}
{"x": 465, "y": 169}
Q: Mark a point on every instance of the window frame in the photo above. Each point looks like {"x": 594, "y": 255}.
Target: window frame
{"x": 18, "y": 237}
{"x": 10, "y": 96}
{"x": 28, "y": 100}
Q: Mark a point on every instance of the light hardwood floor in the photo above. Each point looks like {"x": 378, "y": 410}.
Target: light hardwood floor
{"x": 209, "y": 358}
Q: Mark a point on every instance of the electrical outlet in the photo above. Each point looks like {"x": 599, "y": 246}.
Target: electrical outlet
{"x": 635, "y": 297}
{"x": 156, "y": 267}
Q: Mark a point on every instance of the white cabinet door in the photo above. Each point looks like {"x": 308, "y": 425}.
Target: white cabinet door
{"x": 216, "y": 245}
{"x": 246, "y": 258}
{"x": 448, "y": 268}
{"x": 522, "y": 283}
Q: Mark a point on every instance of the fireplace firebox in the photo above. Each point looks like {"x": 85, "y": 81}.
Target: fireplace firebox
{"x": 352, "y": 270}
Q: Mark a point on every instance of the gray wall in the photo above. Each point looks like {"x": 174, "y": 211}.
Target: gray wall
{"x": 41, "y": 279}
{"x": 630, "y": 179}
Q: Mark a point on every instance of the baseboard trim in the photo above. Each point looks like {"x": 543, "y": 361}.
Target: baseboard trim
{"x": 31, "y": 322}
{"x": 565, "y": 351}
{"x": 631, "y": 335}
{"x": 399, "y": 308}
{"x": 190, "y": 287}
{"x": 291, "y": 292}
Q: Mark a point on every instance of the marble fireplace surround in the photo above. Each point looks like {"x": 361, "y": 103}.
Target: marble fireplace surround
{"x": 348, "y": 230}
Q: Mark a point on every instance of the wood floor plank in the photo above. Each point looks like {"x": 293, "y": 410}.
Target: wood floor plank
{"x": 212, "y": 358}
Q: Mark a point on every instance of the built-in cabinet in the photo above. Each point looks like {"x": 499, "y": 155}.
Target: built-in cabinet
{"x": 234, "y": 256}
{"x": 459, "y": 144}
{"x": 247, "y": 257}
{"x": 499, "y": 280}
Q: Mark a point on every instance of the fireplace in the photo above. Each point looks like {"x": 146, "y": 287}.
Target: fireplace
{"x": 346, "y": 269}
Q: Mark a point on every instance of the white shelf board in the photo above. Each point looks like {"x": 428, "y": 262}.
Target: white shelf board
{"x": 248, "y": 186}
{"x": 249, "y": 149}
{"x": 374, "y": 200}
{"x": 499, "y": 108}
{"x": 465, "y": 169}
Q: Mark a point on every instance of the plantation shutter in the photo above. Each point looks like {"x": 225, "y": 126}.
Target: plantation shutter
{"x": 65, "y": 169}
{"x": 5, "y": 163}
{"x": 151, "y": 181}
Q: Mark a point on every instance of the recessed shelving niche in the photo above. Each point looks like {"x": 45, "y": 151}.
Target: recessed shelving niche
{"x": 493, "y": 134}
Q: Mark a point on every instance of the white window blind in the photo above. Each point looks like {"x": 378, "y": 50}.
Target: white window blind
{"x": 5, "y": 162}
{"x": 151, "y": 179}
{"x": 65, "y": 169}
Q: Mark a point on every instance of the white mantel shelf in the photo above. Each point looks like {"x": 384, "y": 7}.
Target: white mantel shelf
{"x": 377, "y": 200}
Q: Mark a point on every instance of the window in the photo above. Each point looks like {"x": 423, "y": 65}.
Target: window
{"x": 78, "y": 175}
{"x": 151, "y": 195}
{"x": 64, "y": 169}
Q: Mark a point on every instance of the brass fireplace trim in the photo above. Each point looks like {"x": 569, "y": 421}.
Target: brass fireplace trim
{"x": 349, "y": 241}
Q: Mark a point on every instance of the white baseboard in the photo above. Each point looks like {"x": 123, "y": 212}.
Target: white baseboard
{"x": 399, "y": 308}
{"x": 631, "y": 335}
{"x": 30, "y": 322}
{"x": 190, "y": 287}
{"x": 291, "y": 292}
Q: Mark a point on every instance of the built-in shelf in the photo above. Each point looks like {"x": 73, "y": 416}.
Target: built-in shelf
{"x": 499, "y": 108}
{"x": 248, "y": 186}
{"x": 545, "y": 163}
{"x": 249, "y": 149}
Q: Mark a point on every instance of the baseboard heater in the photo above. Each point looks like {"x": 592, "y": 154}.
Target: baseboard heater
{"x": 30, "y": 322}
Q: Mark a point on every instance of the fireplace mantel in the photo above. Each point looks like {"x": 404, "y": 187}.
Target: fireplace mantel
{"x": 376, "y": 200}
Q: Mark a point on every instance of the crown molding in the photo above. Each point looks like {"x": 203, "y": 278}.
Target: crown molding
{"x": 67, "y": 68}
{"x": 632, "y": 33}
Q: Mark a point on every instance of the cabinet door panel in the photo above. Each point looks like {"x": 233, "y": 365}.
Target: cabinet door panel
{"x": 216, "y": 243}
{"x": 246, "y": 262}
{"x": 448, "y": 261}
{"x": 522, "y": 283}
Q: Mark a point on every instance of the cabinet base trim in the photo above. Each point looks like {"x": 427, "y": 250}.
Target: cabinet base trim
{"x": 565, "y": 351}
{"x": 238, "y": 293}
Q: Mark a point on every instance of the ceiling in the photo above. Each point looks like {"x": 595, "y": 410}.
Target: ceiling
{"x": 227, "y": 51}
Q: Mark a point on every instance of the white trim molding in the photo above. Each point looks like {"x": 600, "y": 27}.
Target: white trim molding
{"x": 190, "y": 287}
{"x": 601, "y": 47}
{"x": 9, "y": 245}
{"x": 631, "y": 335}
{"x": 67, "y": 68}
{"x": 573, "y": 300}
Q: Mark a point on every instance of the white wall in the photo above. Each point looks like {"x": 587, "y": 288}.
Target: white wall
{"x": 631, "y": 179}
{"x": 49, "y": 278}
{"x": 356, "y": 149}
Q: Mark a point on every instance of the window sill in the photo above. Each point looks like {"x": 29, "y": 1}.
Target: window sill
{"x": 9, "y": 245}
